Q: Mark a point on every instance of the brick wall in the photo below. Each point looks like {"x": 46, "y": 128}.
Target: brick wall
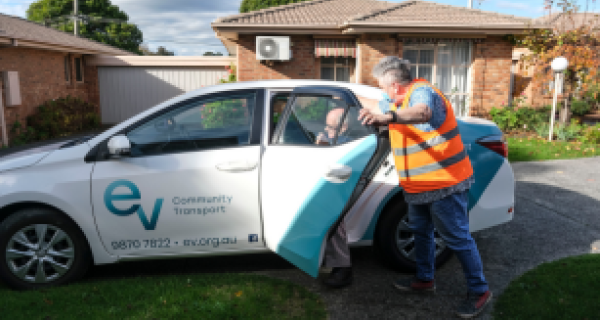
{"x": 373, "y": 47}
{"x": 490, "y": 85}
{"x": 42, "y": 77}
{"x": 303, "y": 65}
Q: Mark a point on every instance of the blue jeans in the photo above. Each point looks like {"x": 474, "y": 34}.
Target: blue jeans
{"x": 449, "y": 216}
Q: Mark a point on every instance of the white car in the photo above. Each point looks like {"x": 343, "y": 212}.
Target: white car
{"x": 222, "y": 171}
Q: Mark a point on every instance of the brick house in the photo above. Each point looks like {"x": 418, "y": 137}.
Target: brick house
{"x": 43, "y": 64}
{"x": 463, "y": 51}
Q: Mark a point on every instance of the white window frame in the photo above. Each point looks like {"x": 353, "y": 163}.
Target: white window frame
{"x": 435, "y": 47}
{"x": 351, "y": 67}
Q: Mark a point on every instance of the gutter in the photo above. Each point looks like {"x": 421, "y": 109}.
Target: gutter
{"x": 33, "y": 43}
{"x": 158, "y": 61}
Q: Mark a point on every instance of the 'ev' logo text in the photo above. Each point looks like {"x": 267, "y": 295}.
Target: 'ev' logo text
{"x": 110, "y": 198}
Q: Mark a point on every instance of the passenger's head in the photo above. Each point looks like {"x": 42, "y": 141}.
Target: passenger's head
{"x": 393, "y": 76}
{"x": 332, "y": 122}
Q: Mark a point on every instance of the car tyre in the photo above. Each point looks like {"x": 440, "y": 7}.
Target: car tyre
{"x": 41, "y": 248}
{"x": 395, "y": 241}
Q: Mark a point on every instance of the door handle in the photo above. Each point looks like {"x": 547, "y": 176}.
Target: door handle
{"x": 338, "y": 173}
{"x": 237, "y": 166}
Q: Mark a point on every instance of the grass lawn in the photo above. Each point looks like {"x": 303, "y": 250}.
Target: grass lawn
{"x": 202, "y": 296}
{"x": 564, "y": 289}
{"x": 534, "y": 149}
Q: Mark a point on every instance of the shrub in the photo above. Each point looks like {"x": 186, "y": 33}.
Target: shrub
{"x": 591, "y": 135}
{"x": 505, "y": 118}
{"x": 231, "y": 77}
{"x": 542, "y": 130}
{"x": 56, "y": 118}
{"x": 525, "y": 117}
{"x": 568, "y": 133}
{"x": 580, "y": 107}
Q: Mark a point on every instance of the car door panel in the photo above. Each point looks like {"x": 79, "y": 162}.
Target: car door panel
{"x": 188, "y": 186}
{"x": 306, "y": 189}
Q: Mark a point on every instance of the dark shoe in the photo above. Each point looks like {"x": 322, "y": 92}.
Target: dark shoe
{"x": 414, "y": 284}
{"x": 473, "y": 305}
{"x": 339, "y": 277}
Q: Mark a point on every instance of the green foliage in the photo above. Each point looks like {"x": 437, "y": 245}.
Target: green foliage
{"x": 568, "y": 133}
{"x": 580, "y": 107}
{"x": 212, "y": 54}
{"x": 316, "y": 110}
{"x": 253, "y": 5}
{"x": 231, "y": 78}
{"x": 120, "y": 34}
{"x": 225, "y": 114}
{"x": 21, "y": 135}
{"x": 542, "y": 129}
{"x": 56, "y": 118}
{"x": 523, "y": 117}
{"x": 590, "y": 135}
{"x": 160, "y": 51}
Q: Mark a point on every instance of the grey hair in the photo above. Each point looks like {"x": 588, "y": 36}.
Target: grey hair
{"x": 393, "y": 70}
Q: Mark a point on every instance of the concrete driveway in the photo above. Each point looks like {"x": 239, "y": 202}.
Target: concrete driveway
{"x": 557, "y": 215}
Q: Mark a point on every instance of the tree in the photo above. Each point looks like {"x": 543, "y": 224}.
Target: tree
{"x": 209, "y": 54}
{"x": 103, "y": 21}
{"x": 161, "y": 51}
{"x": 575, "y": 38}
{"x": 253, "y": 5}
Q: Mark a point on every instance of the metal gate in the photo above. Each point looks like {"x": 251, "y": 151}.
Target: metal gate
{"x": 126, "y": 90}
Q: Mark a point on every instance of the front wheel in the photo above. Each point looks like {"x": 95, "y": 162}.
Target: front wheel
{"x": 40, "y": 248}
{"x": 396, "y": 242}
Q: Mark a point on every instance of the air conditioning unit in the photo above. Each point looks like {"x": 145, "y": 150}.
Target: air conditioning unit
{"x": 273, "y": 48}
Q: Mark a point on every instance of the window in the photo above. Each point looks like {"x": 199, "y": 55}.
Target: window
{"x": 78, "y": 70}
{"x": 67, "y": 69}
{"x": 445, "y": 65}
{"x": 337, "y": 68}
{"x": 318, "y": 121}
{"x": 195, "y": 126}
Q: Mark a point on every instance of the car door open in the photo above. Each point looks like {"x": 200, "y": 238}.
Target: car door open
{"x": 312, "y": 171}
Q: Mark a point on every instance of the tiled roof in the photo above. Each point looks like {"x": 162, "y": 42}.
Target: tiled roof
{"x": 435, "y": 13}
{"x": 572, "y": 21}
{"x": 338, "y": 12}
{"x": 21, "y": 29}
{"x": 326, "y": 12}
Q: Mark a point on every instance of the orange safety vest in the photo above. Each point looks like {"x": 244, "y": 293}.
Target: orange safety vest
{"x": 428, "y": 161}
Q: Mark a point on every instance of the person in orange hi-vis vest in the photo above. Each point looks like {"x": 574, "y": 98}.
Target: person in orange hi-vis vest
{"x": 435, "y": 175}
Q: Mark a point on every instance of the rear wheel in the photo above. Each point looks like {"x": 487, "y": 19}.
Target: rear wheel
{"x": 396, "y": 242}
{"x": 40, "y": 248}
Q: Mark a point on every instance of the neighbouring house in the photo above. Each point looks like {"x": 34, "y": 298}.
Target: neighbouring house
{"x": 463, "y": 51}
{"x": 39, "y": 64}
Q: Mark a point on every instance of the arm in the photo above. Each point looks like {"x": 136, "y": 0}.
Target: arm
{"x": 419, "y": 113}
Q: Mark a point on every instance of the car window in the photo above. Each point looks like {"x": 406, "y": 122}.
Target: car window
{"x": 198, "y": 125}
{"x": 323, "y": 121}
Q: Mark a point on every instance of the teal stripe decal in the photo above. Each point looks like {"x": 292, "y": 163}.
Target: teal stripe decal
{"x": 301, "y": 243}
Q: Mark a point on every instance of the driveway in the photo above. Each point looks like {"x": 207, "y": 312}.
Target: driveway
{"x": 556, "y": 216}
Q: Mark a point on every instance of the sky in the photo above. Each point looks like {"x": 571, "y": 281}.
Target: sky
{"x": 183, "y": 26}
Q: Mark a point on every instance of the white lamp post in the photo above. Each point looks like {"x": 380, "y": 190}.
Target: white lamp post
{"x": 559, "y": 65}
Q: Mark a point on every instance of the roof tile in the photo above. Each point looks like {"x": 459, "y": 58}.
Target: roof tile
{"x": 337, "y": 12}
{"x": 18, "y": 28}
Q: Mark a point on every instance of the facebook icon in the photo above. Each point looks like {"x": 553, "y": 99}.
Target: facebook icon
{"x": 252, "y": 238}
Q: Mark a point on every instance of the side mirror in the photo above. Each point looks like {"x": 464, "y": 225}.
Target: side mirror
{"x": 119, "y": 146}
